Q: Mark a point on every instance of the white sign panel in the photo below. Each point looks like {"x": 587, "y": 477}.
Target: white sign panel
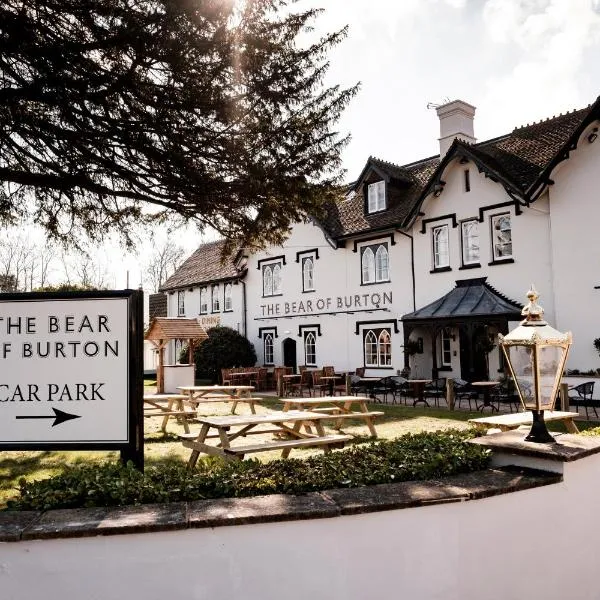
{"x": 64, "y": 371}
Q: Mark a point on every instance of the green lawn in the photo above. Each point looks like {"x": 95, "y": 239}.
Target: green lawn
{"x": 161, "y": 447}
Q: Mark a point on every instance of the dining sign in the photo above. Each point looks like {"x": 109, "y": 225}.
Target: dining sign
{"x": 71, "y": 372}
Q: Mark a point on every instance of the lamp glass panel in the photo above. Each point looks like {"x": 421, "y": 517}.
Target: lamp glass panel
{"x": 550, "y": 363}
{"x": 521, "y": 362}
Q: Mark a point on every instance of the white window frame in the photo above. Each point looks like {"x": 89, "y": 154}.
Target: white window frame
{"x": 376, "y": 197}
{"x": 471, "y": 248}
{"x": 375, "y": 263}
{"x": 445, "y": 348}
{"x": 227, "y": 298}
{"x": 308, "y": 274}
{"x": 271, "y": 276}
{"x": 268, "y": 348}
{"x": 377, "y": 347}
{"x": 310, "y": 348}
{"x": 181, "y": 303}
{"x": 204, "y": 300}
{"x": 495, "y": 236}
{"x": 216, "y": 301}
{"x": 441, "y": 259}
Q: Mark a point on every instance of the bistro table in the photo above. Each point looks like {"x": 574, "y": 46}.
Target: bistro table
{"x": 418, "y": 387}
{"x": 287, "y": 380}
{"x": 367, "y": 384}
{"x": 339, "y": 407}
{"x": 197, "y": 394}
{"x": 330, "y": 379}
{"x": 241, "y": 377}
{"x": 486, "y": 387}
{"x": 167, "y": 406}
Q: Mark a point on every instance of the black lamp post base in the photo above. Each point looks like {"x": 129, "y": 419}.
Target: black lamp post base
{"x": 539, "y": 433}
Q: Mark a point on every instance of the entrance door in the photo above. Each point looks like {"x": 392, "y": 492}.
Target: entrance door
{"x": 289, "y": 353}
{"x": 473, "y": 362}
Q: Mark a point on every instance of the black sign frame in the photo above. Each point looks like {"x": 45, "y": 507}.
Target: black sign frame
{"x": 133, "y": 448}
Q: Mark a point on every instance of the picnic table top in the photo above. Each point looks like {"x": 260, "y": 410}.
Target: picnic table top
{"x": 272, "y": 417}
{"x": 325, "y": 399}
{"x": 211, "y": 388}
{"x": 152, "y": 397}
{"x": 523, "y": 418}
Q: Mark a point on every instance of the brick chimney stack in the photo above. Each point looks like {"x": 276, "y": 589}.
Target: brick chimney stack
{"x": 456, "y": 121}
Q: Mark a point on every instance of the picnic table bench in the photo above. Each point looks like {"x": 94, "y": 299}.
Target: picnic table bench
{"x": 167, "y": 406}
{"x": 340, "y": 407}
{"x": 515, "y": 420}
{"x": 197, "y": 394}
{"x": 283, "y": 423}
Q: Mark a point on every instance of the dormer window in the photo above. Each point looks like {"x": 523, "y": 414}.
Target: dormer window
{"x": 376, "y": 196}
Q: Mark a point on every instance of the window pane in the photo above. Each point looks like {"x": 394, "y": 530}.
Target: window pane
{"x": 310, "y": 348}
{"x": 502, "y": 236}
{"x": 267, "y": 281}
{"x": 370, "y": 349}
{"x": 445, "y": 348}
{"x": 215, "y": 299}
{"x": 441, "y": 256}
{"x": 180, "y": 303}
{"x": 268, "y": 348}
{"x": 204, "y": 300}
{"x": 307, "y": 274}
{"x": 380, "y": 195}
{"x": 385, "y": 349}
{"x": 228, "y": 291}
{"x": 368, "y": 266}
{"x": 382, "y": 264}
{"x": 470, "y": 242}
{"x": 277, "y": 279}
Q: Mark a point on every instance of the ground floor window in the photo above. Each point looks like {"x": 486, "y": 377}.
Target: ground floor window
{"x": 445, "y": 348}
{"x": 268, "y": 348}
{"x": 378, "y": 347}
{"x": 310, "y": 348}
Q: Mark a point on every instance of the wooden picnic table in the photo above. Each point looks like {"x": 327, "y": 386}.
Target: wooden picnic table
{"x": 340, "y": 407}
{"x": 287, "y": 424}
{"x": 515, "y": 420}
{"x": 197, "y": 394}
{"x": 167, "y": 406}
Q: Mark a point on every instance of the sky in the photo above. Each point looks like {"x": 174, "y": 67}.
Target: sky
{"x": 516, "y": 61}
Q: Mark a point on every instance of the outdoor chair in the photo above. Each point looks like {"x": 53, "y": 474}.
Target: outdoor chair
{"x": 583, "y": 397}
{"x": 506, "y": 394}
{"x": 463, "y": 390}
{"x": 317, "y": 384}
{"x": 435, "y": 390}
{"x": 399, "y": 388}
{"x": 302, "y": 385}
{"x": 357, "y": 386}
{"x": 225, "y": 378}
{"x": 259, "y": 378}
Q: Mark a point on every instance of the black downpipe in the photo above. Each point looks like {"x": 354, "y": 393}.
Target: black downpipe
{"x": 245, "y": 311}
{"x": 412, "y": 266}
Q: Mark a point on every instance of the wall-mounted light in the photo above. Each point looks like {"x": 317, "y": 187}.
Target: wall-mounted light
{"x": 591, "y": 138}
{"x": 438, "y": 188}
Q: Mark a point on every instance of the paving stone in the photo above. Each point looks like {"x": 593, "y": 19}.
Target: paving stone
{"x": 13, "y": 523}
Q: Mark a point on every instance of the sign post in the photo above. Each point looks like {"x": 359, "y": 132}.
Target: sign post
{"x": 71, "y": 372}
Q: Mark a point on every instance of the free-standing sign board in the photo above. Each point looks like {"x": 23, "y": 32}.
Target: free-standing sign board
{"x": 71, "y": 372}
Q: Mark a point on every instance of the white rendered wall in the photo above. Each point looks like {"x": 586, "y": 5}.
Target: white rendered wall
{"x": 575, "y": 210}
{"x": 337, "y": 275}
{"x": 483, "y": 549}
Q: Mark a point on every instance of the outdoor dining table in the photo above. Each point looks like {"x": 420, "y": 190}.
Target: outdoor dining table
{"x": 167, "y": 406}
{"x": 418, "y": 387}
{"x": 330, "y": 379}
{"x": 486, "y": 387}
{"x": 287, "y": 379}
{"x": 197, "y": 394}
{"x": 340, "y": 407}
{"x": 287, "y": 425}
{"x": 367, "y": 384}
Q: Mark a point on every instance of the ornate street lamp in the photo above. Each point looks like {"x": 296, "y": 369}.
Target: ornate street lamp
{"x": 536, "y": 354}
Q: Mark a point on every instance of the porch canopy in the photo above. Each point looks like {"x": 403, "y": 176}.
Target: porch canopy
{"x": 472, "y": 306}
{"x": 162, "y": 330}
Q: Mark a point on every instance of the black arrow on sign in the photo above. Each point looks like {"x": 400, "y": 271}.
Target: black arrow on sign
{"x": 59, "y": 417}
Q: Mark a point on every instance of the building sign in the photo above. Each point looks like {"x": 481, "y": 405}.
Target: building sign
{"x": 330, "y": 304}
{"x": 208, "y": 322}
{"x": 67, "y": 371}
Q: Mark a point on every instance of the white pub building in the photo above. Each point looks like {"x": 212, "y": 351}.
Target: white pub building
{"x": 422, "y": 265}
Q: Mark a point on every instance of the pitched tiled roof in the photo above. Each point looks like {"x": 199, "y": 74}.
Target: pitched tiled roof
{"x": 348, "y": 217}
{"x": 520, "y": 159}
{"x": 471, "y": 298}
{"x": 162, "y": 328}
{"x": 203, "y": 266}
{"x": 157, "y": 305}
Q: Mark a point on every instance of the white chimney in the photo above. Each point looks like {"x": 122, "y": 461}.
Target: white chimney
{"x": 456, "y": 121}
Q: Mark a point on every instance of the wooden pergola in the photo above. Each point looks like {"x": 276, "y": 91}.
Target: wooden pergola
{"x": 162, "y": 330}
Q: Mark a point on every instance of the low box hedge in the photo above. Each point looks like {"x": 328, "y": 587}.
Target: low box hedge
{"x": 411, "y": 457}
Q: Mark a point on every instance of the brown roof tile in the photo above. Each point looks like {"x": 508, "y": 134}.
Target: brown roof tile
{"x": 162, "y": 328}
{"x": 203, "y": 266}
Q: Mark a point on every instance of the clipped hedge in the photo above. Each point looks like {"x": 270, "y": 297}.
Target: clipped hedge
{"x": 411, "y": 457}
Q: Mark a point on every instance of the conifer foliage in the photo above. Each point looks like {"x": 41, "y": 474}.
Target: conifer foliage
{"x": 121, "y": 111}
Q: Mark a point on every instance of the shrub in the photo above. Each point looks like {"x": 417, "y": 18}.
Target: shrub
{"x": 223, "y": 349}
{"x": 597, "y": 345}
{"x": 411, "y": 457}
